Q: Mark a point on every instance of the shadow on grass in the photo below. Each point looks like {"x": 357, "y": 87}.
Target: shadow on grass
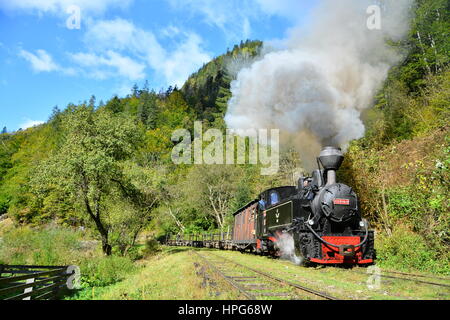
{"x": 173, "y": 250}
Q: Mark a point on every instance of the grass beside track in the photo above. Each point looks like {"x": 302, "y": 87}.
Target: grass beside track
{"x": 177, "y": 274}
{"x": 339, "y": 282}
{"x": 170, "y": 275}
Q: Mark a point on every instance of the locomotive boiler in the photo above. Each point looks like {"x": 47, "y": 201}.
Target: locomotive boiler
{"x": 320, "y": 216}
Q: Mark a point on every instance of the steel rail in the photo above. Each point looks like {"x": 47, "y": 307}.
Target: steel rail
{"x": 407, "y": 279}
{"x": 286, "y": 282}
{"x": 233, "y": 283}
{"x": 417, "y": 275}
{"x": 417, "y": 280}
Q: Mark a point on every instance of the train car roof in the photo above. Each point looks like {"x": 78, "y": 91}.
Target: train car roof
{"x": 256, "y": 200}
{"x": 246, "y": 206}
{"x": 276, "y": 188}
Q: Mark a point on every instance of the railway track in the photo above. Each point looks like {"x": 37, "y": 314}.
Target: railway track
{"x": 418, "y": 275}
{"x": 411, "y": 277}
{"x": 255, "y": 284}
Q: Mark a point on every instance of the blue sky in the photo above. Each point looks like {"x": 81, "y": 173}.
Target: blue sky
{"x": 44, "y": 63}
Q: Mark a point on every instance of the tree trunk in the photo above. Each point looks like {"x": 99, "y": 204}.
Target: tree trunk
{"x": 423, "y": 52}
{"x": 436, "y": 56}
{"x": 386, "y": 223}
{"x": 216, "y": 210}
{"x": 133, "y": 241}
{"x": 106, "y": 247}
{"x": 104, "y": 233}
{"x": 178, "y": 222}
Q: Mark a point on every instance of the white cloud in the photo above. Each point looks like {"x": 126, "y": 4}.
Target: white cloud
{"x": 28, "y": 123}
{"x": 123, "y": 35}
{"x": 234, "y": 17}
{"x": 231, "y": 16}
{"x": 101, "y": 65}
{"x": 184, "y": 60}
{"x": 171, "y": 31}
{"x": 130, "y": 51}
{"x": 284, "y": 8}
{"x": 174, "y": 65}
{"x": 117, "y": 47}
{"x": 43, "y": 62}
{"x": 40, "y": 62}
{"x": 60, "y": 6}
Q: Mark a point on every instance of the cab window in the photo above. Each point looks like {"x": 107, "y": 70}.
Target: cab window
{"x": 274, "y": 198}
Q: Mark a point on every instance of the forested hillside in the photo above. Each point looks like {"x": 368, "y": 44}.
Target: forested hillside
{"x": 106, "y": 167}
{"x": 401, "y": 167}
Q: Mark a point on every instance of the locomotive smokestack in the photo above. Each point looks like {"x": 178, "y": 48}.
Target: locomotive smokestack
{"x": 331, "y": 159}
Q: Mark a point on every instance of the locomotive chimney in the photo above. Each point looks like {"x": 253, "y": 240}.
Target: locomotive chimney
{"x": 331, "y": 159}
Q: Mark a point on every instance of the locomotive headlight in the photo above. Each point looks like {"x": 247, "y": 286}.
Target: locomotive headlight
{"x": 361, "y": 223}
{"x": 311, "y": 222}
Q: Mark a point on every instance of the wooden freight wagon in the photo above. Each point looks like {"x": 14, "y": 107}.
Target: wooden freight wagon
{"x": 244, "y": 230}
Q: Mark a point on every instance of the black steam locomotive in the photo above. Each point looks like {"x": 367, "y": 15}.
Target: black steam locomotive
{"x": 320, "y": 216}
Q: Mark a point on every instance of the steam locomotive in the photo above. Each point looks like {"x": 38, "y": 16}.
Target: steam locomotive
{"x": 320, "y": 216}
{"x": 316, "y": 222}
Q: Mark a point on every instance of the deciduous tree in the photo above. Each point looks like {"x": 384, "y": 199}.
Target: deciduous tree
{"x": 89, "y": 163}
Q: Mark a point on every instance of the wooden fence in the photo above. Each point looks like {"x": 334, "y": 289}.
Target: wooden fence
{"x": 33, "y": 282}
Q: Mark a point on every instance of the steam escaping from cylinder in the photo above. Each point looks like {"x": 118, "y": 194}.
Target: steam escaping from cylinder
{"x": 285, "y": 243}
{"x": 315, "y": 88}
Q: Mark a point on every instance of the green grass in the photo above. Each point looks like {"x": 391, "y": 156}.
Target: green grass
{"x": 339, "y": 282}
{"x": 170, "y": 275}
{"x": 46, "y": 246}
{"x": 173, "y": 274}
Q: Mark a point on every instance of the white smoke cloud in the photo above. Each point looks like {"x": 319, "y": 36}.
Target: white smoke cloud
{"x": 315, "y": 89}
{"x": 285, "y": 242}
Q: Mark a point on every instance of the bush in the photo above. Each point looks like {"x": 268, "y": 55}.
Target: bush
{"x": 151, "y": 247}
{"x": 4, "y": 204}
{"x": 136, "y": 253}
{"x": 50, "y": 246}
{"x": 104, "y": 271}
{"x": 409, "y": 251}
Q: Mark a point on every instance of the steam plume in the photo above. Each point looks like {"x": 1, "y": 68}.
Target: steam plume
{"x": 315, "y": 89}
{"x": 285, "y": 242}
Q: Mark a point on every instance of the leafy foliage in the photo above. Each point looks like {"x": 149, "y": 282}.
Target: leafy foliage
{"x": 400, "y": 168}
